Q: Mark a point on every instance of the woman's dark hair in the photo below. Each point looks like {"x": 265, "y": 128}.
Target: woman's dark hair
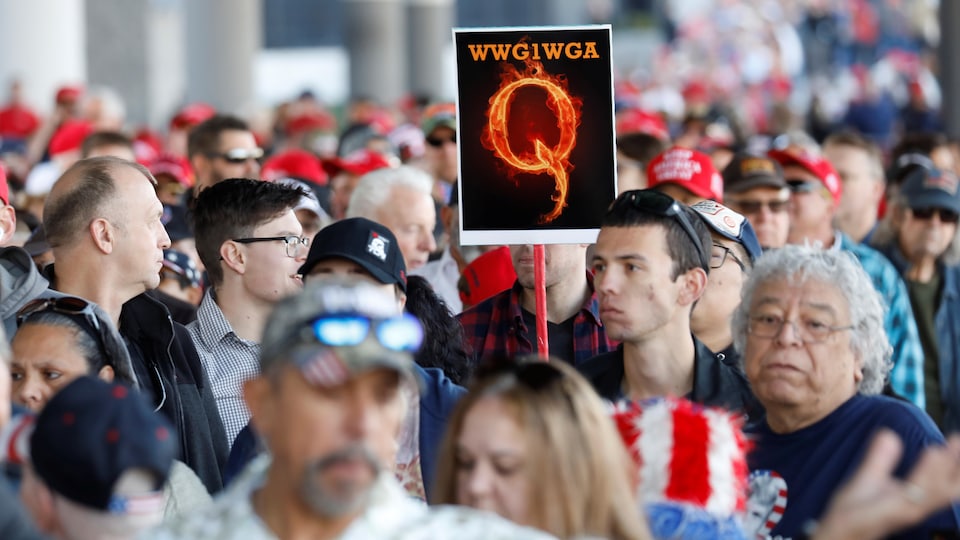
{"x": 96, "y": 348}
{"x": 443, "y": 343}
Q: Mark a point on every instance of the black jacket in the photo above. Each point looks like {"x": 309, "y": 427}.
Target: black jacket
{"x": 715, "y": 383}
{"x": 165, "y": 348}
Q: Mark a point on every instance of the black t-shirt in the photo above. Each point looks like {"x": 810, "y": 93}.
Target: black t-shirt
{"x": 559, "y": 336}
{"x": 924, "y": 298}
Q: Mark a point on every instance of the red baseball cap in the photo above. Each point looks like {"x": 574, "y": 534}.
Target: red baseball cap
{"x": 69, "y": 94}
{"x": 359, "y": 163}
{"x": 69, "y": 136}
{"x": 815, "y": 165}
{"x": 294, "y": 163}
{"x": 487, "y": 275}
{"x": 640, "y": 121}
{"x": 147, "y": 146}
{"x": 689, "y": 169}
{"x": 177, "y": 167}
{"x": 311, "y": 121}
{"x": 191, "y": 115}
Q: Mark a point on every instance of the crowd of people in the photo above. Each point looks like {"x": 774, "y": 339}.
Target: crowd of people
{"x": 236, "y": 331}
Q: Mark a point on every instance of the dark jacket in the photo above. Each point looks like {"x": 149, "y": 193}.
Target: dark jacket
{"x": 715, "y": 383}
{"x": 437, "y": 400}
{"x": 947, "y": 329}
{"x": 165, "y": 348}
{"x": 181, "y": 311}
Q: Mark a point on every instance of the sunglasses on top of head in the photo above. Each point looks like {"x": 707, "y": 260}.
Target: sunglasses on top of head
{"x": 663, "y": 205}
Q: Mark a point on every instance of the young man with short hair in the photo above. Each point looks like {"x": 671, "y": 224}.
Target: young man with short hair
{"x": 651, "y": 268}
{"x": 252, "y": 246}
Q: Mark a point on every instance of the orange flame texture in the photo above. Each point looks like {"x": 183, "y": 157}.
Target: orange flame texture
{"x": 544, "y": 159}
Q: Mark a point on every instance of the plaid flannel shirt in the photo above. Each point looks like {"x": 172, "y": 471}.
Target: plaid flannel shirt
{"x": 495, "y": 327}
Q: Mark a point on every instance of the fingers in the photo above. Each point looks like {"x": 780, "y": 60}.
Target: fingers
{"x": 882, "y": 456}
{"x": 937, "y": 475}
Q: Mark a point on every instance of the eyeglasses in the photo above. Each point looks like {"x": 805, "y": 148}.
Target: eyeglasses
{"x": 802, "y": 186}
{"x": 401, "y": 333}
{"x": 68, "y": 305}
{"x": 438, "y": 142}
{"x": 809, "y": 330}
{"x": 718, "y": 258}
{"x": 659, "y": 204}
{"x": 746, "y": 206}
{"x": 237, "y": 156}
{"x": 295, "y": 245}
{"x": 946, "y": 216}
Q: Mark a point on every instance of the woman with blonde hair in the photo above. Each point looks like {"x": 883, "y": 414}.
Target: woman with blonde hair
{"x": 532, "y": 442}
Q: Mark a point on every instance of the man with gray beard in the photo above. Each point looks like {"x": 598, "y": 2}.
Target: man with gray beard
{"x": 337, "y": 364}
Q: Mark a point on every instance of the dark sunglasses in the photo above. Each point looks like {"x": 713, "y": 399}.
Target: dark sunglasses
{"x": 754, "y": 207}
{"x": 802, "y": 186}
{"x": 946, "y": 216}
{"x": 659, "y": 204}
{"x": 237, "y": 156}
{"x": 438, "y": 142}
{"x": 400, "y": 333}
{"x": 67, "y": 305}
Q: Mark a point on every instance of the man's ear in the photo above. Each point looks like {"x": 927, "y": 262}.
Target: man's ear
{"x": 103, "y": 234}
{"x": 694, "y": 282}
{"x": 8, "y": 223}
{"x": 233, "y": 257}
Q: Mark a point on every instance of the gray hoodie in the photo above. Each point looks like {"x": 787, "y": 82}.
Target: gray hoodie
{"x": 20, "y": 282}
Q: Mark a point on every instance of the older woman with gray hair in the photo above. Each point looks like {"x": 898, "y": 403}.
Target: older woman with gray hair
{"x": 810, "y": 329}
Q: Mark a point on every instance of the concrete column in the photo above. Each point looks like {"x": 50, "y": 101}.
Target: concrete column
{"x": 562, "y": 12}
{"x": 43, "y": 44}
{"x": 949, "y": 68}
{"x": 116, "y": 51}
{"x": 223, "y": 40}
{"x": 376, "y": 42}
{"x": 430, "y": 23}
{"x": 136, "y": 47}
{"x": 166, "y": 38}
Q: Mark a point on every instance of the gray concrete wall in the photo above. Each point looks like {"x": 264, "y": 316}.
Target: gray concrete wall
{"x": 43, "y": 45}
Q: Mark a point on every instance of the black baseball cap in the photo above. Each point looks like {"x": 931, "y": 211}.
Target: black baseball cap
{"x": 92, "y": 432}
{"x": 365, "y": 242}
{"x": 747, "y": 171}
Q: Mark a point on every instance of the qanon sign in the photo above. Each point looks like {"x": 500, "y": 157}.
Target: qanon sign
{"x": 544, "y": 159}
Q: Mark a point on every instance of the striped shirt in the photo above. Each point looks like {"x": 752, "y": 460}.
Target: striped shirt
{"x": 228, "y": 361}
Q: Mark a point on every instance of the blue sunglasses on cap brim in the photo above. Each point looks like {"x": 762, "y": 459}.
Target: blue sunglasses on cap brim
{"x": 401, "y": 333}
